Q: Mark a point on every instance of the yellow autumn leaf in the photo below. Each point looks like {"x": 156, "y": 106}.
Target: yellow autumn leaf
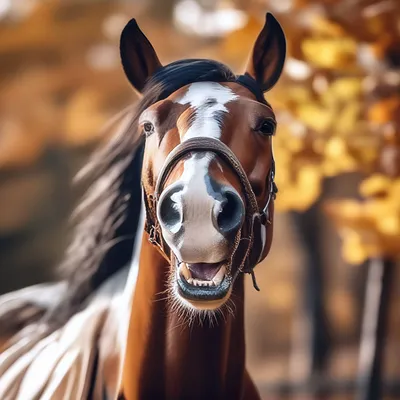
{"x": 353, "y": 250}
{"x": 376, "y": 184}
{"x": 335, "y": 147}
{"x": 389, "y": 225}
{"x": 315, "y": 117}
{"x": 347, "y": 119}
{"x": 323, "y": 26}
{"x": 298, "y": 94}
{"x": 346, "y": 88}
{"x": 395, "y": 189}
{"x": 330, "y": 53}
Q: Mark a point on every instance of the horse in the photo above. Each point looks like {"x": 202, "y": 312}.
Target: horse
{"x": 180, "y": 207}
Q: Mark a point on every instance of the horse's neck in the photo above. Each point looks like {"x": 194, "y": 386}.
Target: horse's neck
{"x": 166, "y": 358}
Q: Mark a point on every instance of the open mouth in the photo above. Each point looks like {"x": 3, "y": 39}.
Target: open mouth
{"x": 203, "y": 281}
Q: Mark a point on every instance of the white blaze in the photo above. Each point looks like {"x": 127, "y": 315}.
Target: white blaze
{"x": 205, "y": 123}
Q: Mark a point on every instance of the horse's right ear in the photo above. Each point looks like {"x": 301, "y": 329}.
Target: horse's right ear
{"x": 138, "y": 56}
{"x": 268, "y": 56}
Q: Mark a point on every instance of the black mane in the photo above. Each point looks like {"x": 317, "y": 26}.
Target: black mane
{"x": 107, "y": 218}
{"x": 173, "y": 76}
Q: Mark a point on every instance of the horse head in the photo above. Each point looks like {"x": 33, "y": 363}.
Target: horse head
{"x": 208, "y": 166}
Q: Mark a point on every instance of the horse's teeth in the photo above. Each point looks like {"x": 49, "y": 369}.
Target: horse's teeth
{"x": 198, "y": 282}
{"x": 185, "y": 272}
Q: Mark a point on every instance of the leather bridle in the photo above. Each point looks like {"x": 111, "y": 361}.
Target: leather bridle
{"x": 248, "y": 247}
{"x": 247, "y": 252}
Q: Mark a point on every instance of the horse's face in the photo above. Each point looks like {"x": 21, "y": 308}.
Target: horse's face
{"x": 201, "y": 208}
{"x": 202, "y": 205}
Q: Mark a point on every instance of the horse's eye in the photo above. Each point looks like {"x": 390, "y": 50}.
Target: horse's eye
{"x": 148, "y": 128}
{"x": 267, "y": 127}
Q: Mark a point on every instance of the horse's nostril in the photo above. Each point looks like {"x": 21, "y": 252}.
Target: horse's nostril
{"x": 169, "y": 211}
{"x": 231, "y": 213}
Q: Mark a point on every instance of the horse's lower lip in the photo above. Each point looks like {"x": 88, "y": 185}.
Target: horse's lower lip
{"x": 204, "y": 290}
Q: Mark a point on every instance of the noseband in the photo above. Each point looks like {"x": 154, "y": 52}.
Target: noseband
{"x": 247, "y": 252}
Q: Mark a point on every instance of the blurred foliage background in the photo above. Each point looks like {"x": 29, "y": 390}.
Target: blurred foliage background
{"x": 337, "y": 152}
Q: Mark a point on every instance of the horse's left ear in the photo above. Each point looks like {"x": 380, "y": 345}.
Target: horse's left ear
{"x": 138, "y": 57}
{"x": 268, "y": 56}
